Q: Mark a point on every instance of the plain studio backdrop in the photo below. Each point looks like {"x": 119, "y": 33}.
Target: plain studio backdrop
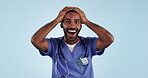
{"x": 127, "y": 20}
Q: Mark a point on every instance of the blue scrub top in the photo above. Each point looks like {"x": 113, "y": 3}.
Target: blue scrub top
{"x": 75, "y": 71}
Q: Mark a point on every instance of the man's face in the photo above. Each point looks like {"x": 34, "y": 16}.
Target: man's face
{"x": 71, "y": 26}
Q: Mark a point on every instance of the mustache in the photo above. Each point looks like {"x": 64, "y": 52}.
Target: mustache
{"x": 71, "y": 29}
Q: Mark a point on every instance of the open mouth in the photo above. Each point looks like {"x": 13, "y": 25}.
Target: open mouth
{"x": 72, "y": 33}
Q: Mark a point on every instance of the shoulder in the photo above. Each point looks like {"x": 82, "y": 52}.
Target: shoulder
{"x": 53, "y": 40}
{"x": 89, "y": 38}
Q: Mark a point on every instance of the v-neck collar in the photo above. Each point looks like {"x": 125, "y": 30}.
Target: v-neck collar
{"x": 73, "y": 45}
{"x": 78, "y": 51}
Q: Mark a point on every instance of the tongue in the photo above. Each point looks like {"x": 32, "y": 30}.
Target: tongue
{"x": 71, "y": 34}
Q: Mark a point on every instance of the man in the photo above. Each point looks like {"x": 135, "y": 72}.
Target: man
{"x": 72, "y": 54}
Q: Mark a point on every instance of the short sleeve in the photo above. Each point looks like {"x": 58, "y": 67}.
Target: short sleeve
{"x": 93, "y": 42}
{"x": 49, "y": 52}
{"x": 100, "y": 52}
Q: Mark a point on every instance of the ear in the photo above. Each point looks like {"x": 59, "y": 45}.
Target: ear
{"x": 61, "y": 25}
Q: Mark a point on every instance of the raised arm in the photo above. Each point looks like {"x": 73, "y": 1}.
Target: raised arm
{"x": 38, "y": 39}
{"x": 106, "y": 37}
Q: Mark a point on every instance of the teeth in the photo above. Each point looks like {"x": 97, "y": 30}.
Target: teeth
{"x": 71, "y": 30}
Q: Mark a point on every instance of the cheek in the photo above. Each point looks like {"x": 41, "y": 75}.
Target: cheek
{"x": 64, "y": 29}
{"x": 79, "y": 27}
{"x": 65, "y": 25}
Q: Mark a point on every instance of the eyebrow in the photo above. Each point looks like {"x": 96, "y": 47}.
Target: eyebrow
{"x": 77, "y": 19}
{"x": 67, "y": 19}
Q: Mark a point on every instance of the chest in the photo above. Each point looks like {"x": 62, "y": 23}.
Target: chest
{"x": 79, "y": 51}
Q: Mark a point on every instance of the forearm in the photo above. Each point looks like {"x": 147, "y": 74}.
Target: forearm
{"x": 43, "y": 32}
{"x": 104, "y": 35}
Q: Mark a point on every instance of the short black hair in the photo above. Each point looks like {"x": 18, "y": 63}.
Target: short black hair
{"x": 71, "y": 11}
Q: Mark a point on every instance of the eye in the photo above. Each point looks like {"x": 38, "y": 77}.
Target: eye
{"x": 67, "y": 21}
{"x": 77, "y": 22}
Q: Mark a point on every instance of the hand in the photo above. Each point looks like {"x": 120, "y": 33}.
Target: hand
{"x": 82, "y": 14}
{"x": 62, "y": 13}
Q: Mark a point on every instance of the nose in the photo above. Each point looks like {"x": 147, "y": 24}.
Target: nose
{"x": 72, "y": 25}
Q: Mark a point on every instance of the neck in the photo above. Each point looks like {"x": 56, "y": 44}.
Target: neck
{"x": 71, "y": 42}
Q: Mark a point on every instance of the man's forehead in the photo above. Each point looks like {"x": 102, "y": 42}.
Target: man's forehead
{"x": 72, "y": 15}
{"x": 71, "y": 19}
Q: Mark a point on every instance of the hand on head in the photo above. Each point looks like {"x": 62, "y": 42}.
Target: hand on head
{"x": 82, "y": 14}
{"x": 62, "y": 13}
{"x": 66, "y": 9}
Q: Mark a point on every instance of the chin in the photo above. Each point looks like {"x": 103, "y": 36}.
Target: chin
{"x": 71, "y": 39}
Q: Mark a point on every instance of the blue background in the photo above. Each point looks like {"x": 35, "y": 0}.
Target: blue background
{"x": 125, "y": 19}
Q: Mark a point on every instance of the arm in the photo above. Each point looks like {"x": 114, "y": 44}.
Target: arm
{"x": 106, "y": 38}
{"x": 38, "y": 39}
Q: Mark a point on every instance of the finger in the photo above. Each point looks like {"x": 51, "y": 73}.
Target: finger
{"x": 67, "y": 8}
{"x": 76, "y": 8}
